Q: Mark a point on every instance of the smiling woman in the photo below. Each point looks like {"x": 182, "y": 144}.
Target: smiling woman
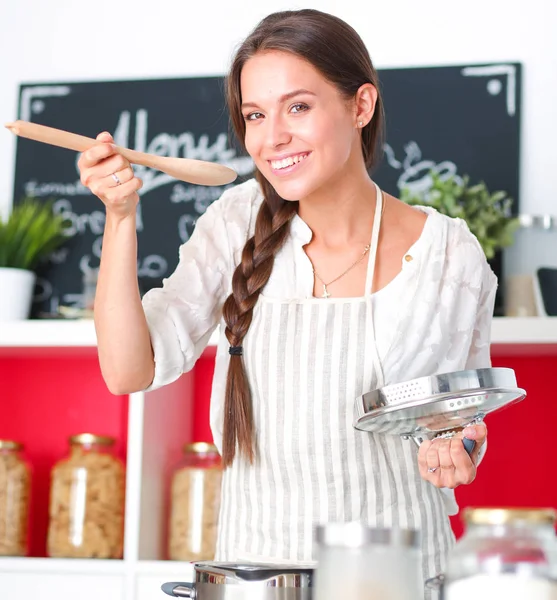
{"x": 324, "y": 287}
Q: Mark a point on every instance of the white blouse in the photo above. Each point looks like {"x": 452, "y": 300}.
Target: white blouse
{"x": 433, "y": 317}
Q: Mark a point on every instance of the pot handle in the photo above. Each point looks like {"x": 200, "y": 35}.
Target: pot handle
{"x": 179, "y": 589}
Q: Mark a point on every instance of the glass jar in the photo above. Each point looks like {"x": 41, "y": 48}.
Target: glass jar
{"x": 15, "y": 484}
{"x": 87, "y": 501}
{"x": 355, "y": 561}
{"x": 504, "y": 553}
{"x": 195, "y": 504}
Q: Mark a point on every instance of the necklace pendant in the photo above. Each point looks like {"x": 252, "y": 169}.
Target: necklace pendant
{"x": 325, "y": 292}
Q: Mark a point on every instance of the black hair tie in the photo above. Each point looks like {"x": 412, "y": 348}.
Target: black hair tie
{"x": 235, "y": 350}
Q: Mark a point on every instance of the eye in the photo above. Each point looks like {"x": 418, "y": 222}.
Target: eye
{"x": 252, "y": 116}
{"x": 299, "y": 107}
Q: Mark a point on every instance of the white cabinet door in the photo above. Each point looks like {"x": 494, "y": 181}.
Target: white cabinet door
{"x": 62, "y": 586}
{"x": 148, "y": 587}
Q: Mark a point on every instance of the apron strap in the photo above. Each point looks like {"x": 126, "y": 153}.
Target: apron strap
{"x": 374, "y": 240}
{"x": 371, "y": 341}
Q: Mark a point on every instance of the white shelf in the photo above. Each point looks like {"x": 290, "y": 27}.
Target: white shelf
{"x": 96, "y": 565}
{"x": 165, "y": 567}
{"x": 46, "y": 333}
{"x": 524, "y": 330}
{"x": 506, "y": 331}
{"x": 62, "y": 565}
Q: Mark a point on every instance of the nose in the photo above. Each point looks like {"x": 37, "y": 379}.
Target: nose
{"x": 277, "y": 131}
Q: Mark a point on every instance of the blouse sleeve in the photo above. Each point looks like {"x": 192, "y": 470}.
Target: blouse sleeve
{"x": 479, "y": 356}
{"x": 183, "y": 313}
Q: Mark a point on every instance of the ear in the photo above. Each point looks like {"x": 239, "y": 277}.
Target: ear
{"x": 364, "y": 103}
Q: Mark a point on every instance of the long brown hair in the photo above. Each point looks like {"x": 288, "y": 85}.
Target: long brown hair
{"x": 339, "y": 54}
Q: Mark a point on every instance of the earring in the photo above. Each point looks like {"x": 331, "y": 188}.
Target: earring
{"x": 360, "y": 123}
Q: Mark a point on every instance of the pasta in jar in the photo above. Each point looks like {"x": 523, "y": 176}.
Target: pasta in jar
{"x": 15, "y": 483}
{"x": 86, "y": 513}
{"x": 195, "y": 503}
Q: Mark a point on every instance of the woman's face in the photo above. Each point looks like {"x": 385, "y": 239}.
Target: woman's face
{"x": 300, "y": 131}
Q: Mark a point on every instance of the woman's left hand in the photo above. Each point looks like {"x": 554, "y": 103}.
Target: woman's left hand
{"x": 445, "y": 462}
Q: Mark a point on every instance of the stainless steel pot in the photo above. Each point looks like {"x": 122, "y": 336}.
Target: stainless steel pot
{"x": 231, "y": 581}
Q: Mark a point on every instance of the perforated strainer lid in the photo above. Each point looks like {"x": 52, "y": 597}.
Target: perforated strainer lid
{"x": 437, "y": 403}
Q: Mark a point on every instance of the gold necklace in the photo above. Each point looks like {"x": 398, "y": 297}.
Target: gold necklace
{"x": 326, "y": 293}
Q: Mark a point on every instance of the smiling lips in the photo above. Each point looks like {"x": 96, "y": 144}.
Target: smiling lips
{"x": 290, "y": 161}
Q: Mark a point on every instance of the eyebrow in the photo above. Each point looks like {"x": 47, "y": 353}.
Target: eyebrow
{"x": 282, "y": 99}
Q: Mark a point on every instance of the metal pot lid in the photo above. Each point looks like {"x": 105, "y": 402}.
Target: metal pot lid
{"x": 437, "y": 403}
{"x": 238, "y": 572}
{"x": 256, "y": 574}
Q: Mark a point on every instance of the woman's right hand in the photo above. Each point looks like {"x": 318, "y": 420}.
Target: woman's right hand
{"x": 97, "y": 166}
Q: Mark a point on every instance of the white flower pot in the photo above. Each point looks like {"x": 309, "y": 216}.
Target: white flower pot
{"x": 16, "y": 293}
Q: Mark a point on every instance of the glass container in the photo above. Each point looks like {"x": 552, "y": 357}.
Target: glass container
{"x": 195, "y": 503}
{"x": 355, "y": 561}
{"x": 87, "y": 501}
{"x": 15, "y": 484}
{"x": 505, "y": 553}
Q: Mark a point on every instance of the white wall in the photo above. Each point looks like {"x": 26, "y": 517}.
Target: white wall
{"x": 64, "y": 40}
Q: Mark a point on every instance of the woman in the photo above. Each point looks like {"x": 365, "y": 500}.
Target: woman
{"x": 325, "y": 288}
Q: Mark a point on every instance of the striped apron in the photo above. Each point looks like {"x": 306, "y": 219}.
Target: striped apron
{"x": 307, "y": 361}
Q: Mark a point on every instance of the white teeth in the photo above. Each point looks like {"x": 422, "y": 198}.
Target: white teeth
{"x": 287, "y": 162}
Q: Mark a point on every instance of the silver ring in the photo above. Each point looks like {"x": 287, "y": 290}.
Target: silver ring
{"x": 432, "y": 470}
{"x": 116, "y": 179}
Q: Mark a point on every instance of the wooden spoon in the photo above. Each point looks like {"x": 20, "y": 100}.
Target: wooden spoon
{"x": 186, "y": 169}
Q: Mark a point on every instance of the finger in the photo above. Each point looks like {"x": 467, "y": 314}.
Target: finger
{"x": 443, "y": 475}
{"x": 422, "y": 460}
{"x": 118, "y": 177}
{"x": 94, "y": 177}
{"x": 432, "y": 455}
{"x": 95, "y": 154}
{"x": 105, "y": 168}
{"x": 444, "y": 451}
{"x": 465, "y": 470}
{"x": 121, "y": 193}
{"x": 105, "y": 137}
{"x": 478, "y": 433}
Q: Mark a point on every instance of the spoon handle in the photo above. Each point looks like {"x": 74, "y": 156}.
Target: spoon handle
{"x": 193, "y": 171}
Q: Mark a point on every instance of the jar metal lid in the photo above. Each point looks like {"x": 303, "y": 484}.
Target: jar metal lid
{"x": 504, "y": 516}
{"x": 86, "y": 439}
{"x": 201, "y": 448}
{"x": 10, "y": 445}
{"x": 355, "y": 535}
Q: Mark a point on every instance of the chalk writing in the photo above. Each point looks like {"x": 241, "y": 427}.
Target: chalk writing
{"x": 416, "y": 172}
{"x": 41, "y": 190}
{"x": 186, "y": 223}
{"x": 182, "y": 145}
{"x": 79, "y": 223}
{"x": 201, "y": 197}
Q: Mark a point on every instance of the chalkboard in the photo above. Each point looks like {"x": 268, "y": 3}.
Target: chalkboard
{"x": 454, "y": 120}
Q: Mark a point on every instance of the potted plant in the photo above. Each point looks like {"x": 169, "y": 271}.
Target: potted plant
{"x": 29, "y": 234}
{"x": 487, "y": 214}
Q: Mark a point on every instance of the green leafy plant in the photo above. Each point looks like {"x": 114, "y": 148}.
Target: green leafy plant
{"x": 488, "y": 215}
{"x": 30, "y": 233}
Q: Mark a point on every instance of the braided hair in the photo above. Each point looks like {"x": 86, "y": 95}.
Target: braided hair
{"x": 337, "y": 51}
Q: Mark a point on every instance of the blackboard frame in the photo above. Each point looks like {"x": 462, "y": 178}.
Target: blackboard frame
{"x": 462, "y": 119}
